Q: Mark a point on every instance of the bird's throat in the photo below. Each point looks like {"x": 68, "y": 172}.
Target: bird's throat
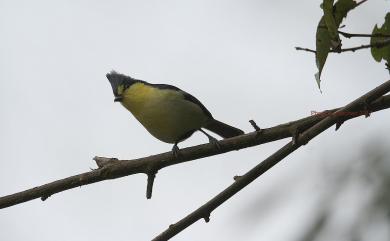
{"x": 136, "y": 97}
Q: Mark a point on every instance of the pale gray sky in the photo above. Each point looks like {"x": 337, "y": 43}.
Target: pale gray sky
{"x": 237, "y": 57}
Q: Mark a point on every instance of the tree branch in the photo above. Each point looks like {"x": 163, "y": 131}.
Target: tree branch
{"x": 111, "y": 168}
{"x": 253, "y": 174}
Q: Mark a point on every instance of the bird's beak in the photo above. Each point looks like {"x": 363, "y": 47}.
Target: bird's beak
{"x": 118, "y": 98}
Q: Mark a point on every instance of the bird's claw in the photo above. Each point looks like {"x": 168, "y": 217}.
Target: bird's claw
{"x": 175, "y": 151}
{"x": 212, "y": 140}
{"x": 215, "y": 142}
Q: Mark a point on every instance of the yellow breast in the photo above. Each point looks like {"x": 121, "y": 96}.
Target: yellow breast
{"x": 163, "y": 112}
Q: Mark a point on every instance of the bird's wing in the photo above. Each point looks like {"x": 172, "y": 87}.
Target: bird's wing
{"x": 186, "y": 95}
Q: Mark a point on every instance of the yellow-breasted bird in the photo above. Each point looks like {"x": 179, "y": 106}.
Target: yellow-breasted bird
{"x": 167, "y": 112}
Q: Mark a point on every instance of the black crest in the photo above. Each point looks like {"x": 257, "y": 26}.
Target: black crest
{"x": 116, "y": 79}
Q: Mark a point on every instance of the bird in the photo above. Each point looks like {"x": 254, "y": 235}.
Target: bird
{"x": 168, "y": 113}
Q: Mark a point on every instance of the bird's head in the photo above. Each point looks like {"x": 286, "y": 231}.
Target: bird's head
{"x": 119, "y": 84}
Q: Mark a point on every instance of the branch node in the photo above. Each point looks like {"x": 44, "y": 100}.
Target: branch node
{"x": 255, "y": 126}
{"x": 367, "y": 108}
{"x": 149, "y": 186}
{"x": 295, "y": 134}
{"x": 45, "y": 197}
{"x": 338, "y": 125}
{"x": 236, "y": 177}
{"x": 207, "y": 218}
{"x": 104, "y": 161}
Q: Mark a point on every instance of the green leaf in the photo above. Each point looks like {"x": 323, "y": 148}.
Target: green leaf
{"x": 381, "y": 53}
{"x": 331, "y": 24}
{"x": 327, "y": 27}
{"x": 375, "y": 52}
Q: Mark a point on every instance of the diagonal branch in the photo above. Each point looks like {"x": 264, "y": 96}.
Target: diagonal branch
{"x": 204, "y": 211}
{"x": 111, "y": 168}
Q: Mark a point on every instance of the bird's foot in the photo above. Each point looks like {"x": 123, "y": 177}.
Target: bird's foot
{"x": 175, "y": 151}
{"x": 212, "y": 140}
{"x": 215, "y": 142}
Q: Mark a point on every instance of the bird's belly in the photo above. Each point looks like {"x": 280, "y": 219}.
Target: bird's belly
{"x": 170, "y": 120}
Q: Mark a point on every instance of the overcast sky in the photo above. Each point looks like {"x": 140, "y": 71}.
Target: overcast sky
{"x": 237, "y": 57}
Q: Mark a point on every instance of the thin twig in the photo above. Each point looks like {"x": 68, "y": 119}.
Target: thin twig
{"x": 378, "y": 45}
{"x": 361, "y": 2}
{"x": 111, "y": 168}
{"x": 365, "y": 46}
{"x": 305, "y": 49}
{"x": 255, "y": 126}
{"x": 272, "y": 160}
{"x": 351, "y": 35}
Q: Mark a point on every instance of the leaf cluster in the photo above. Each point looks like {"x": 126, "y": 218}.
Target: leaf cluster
{"x": 328, "y": 35}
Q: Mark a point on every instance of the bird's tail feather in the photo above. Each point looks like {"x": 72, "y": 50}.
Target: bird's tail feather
{"x": 222, "y": 129}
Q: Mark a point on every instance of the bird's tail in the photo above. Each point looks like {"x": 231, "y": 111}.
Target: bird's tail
{"x": 222, "y": 129}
